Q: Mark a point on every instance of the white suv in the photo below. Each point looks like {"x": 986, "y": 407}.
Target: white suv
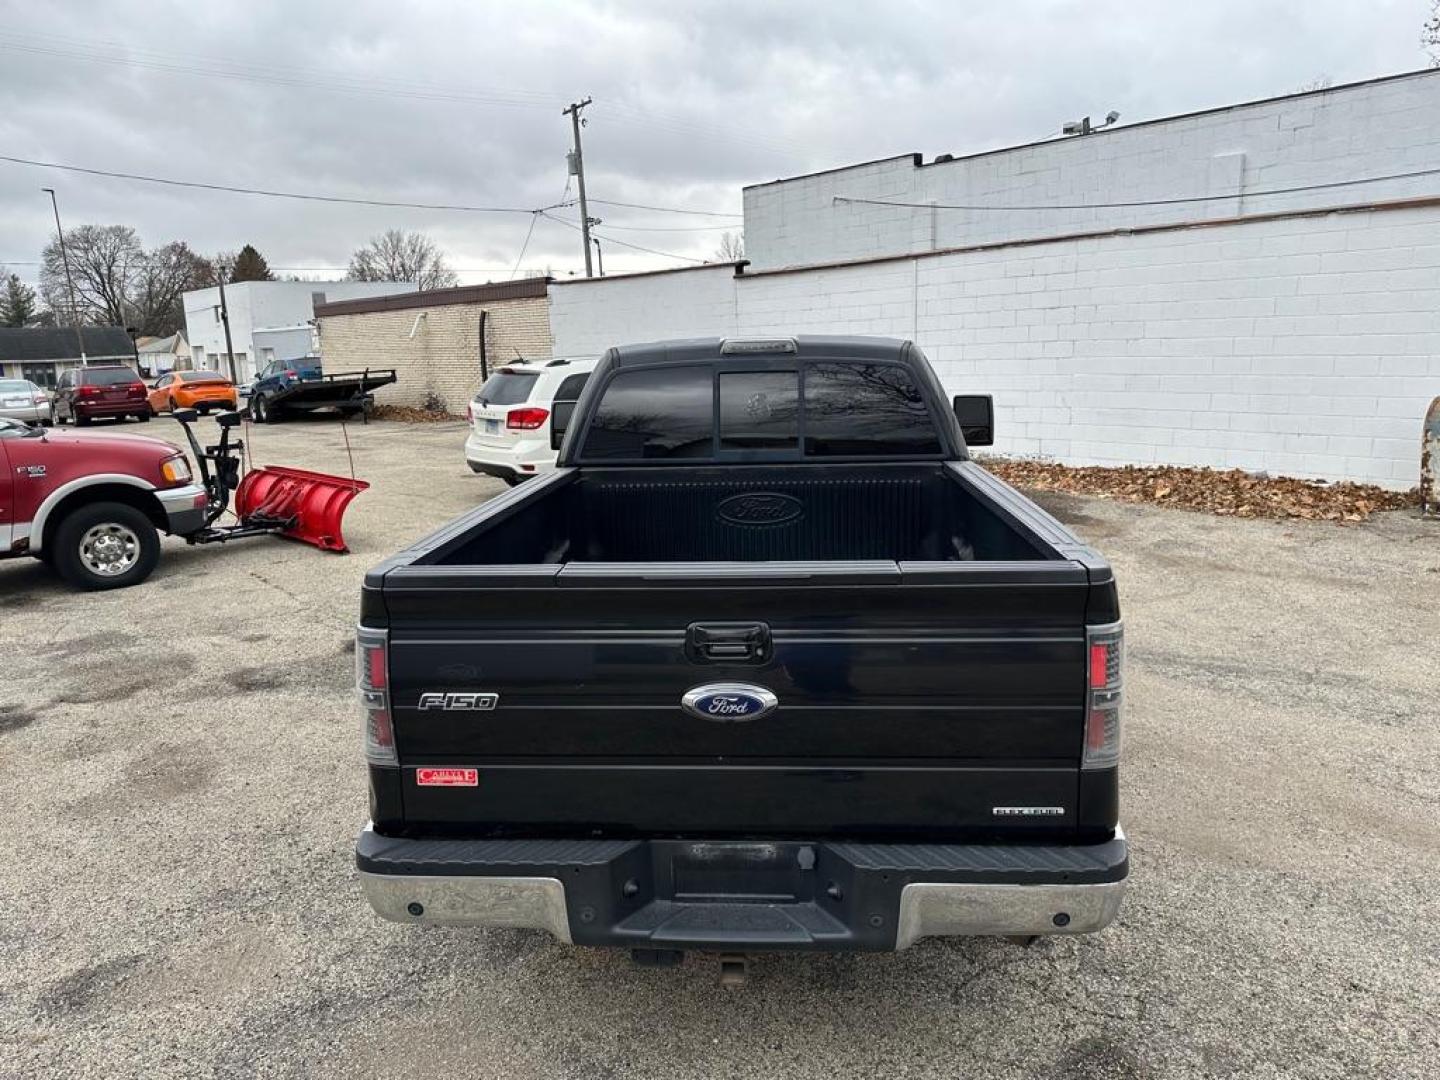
{"x": 510, "y": 416}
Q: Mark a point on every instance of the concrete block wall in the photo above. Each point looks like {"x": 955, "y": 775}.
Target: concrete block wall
{"x": 1382, "y": 127}
{"x": 443, "y": 356}
{"x": 1304, "y": 345}
{"x": 600, "y": 312}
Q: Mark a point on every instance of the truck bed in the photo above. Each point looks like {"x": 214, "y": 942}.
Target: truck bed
{"x": 926, "y": 629}
{"x": 927, "y": 512}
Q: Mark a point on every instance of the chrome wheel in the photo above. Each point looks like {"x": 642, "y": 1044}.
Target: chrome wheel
{"x": 109, "y": 549}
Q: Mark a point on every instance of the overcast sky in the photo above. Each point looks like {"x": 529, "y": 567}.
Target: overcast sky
{"x": 461, "y": 104}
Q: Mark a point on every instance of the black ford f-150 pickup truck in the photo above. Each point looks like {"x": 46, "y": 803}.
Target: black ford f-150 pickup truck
{"x": 766, "y": 663}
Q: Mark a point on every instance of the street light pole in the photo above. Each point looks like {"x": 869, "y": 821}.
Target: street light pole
{"x": 220, "y": 272}
{"x": 69, "y": 281}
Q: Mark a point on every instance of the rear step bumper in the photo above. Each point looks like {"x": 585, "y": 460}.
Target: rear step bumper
{"x": 744, "y": 895}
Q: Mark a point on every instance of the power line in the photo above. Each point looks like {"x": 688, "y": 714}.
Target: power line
{"x": 674, "y": 228}
{"x": 303, "y": 196}
{"x": 341, "y": 270}
{"x": 666, "y": 209}
{"x": 531, "y": 231}
{"x": 622, "y": 243}
{"x": 310, "y": 197}
{"x": 1146, "y": 202}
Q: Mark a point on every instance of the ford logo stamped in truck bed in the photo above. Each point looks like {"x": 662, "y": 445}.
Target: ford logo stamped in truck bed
{"x": 760, "y": 508}
{"x": 729, "y": 703}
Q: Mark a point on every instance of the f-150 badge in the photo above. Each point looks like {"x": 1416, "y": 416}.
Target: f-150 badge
{"x": 728, "y": 703}
{"x": 459, "y": 702}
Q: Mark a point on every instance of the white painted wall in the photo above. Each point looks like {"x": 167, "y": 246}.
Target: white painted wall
{"x": 267, "y": 305}
{"x": 1306, "y": 345}
{"x": 1369, "y": 129}
{"x": 642, "y": 307}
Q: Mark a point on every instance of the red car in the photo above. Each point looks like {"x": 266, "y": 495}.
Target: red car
{"x": 99, "y": 391}
{"x": 93, "y": 507}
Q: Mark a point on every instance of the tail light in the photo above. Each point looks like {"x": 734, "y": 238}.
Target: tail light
{"x": 87, "y": 391}
{"x": 526, "y": 419}
{"x": 1104, "y": 688}
{"x": 137, "y": 389}
{"x": 291, "y": 374}
{"x": 40, "y": 399}
{"x": 372, "y": 679}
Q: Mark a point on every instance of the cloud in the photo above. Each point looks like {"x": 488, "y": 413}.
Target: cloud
{"x": 462, "y": 104}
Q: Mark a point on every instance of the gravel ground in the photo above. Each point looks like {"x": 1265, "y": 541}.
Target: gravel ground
{"x": 180, "y": 785}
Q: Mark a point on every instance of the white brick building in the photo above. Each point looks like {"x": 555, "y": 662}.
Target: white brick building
{"x": 1298, "y": 334}
{"x": 1226, "y": 157}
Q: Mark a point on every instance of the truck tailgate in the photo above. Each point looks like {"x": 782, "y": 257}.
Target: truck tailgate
{"x": 909, "y": 695}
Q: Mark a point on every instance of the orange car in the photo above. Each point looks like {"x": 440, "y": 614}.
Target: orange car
{"x": 202, "y": 390}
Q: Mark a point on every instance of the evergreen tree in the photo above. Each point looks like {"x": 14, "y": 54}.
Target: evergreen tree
{"x": 250, "y": 265}
{"x": 17, "y": 303}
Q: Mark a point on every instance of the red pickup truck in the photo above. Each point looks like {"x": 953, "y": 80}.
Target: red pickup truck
{"x": 93, "y": 506}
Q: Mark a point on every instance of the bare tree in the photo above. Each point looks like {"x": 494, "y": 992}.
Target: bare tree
{"x": 402, "y": 256}
{"x": 1430, "y": 34}
{"x": 102, "y": 260}
{"x": 731, "y": 248}
{"x": 167, "y": 273}
{"x": 119, "y": 283}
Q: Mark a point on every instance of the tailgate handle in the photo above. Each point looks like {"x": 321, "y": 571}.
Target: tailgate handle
{"x": 728, "y": 642}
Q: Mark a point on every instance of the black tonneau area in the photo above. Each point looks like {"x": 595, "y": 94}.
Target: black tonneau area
{"x": 794, "y": 513}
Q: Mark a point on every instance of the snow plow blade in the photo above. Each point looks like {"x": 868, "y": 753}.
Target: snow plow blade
{"x": 310, "y": 504}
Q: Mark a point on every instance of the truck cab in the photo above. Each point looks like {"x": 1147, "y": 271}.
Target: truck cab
{"x": 766, "y": 662}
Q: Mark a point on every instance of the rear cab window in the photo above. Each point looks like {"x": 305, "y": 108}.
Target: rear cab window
{"x": 108, "y": 377}
{"x": 647, "y": 413}
{"x": 814, "y": 410}
{"x": 507, "y": 388}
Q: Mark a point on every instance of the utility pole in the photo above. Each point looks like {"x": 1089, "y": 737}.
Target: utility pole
{"x": 69, "y": 281}
{"x": 577, "y": 169}
{"x": 220, "y": 271}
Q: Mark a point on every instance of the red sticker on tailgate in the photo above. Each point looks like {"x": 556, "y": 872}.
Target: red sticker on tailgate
{"x": 447, "y": 777}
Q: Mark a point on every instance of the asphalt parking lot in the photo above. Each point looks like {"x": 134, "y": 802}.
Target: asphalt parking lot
{"x": 181, "y": 782}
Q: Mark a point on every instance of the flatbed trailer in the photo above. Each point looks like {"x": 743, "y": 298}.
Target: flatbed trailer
{"x": 352, "y": 392}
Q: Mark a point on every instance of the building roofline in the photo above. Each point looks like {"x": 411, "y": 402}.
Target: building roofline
{"x": 921, "y": 163}
{"x": 524, "y": 289}
{"x": 735, "y": 266}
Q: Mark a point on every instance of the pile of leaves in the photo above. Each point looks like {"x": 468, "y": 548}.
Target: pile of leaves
{"x": 409, "y": 414}
{"x": 1231, "y": 493}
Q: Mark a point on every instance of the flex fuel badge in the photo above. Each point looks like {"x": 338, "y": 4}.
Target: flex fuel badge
{"x": 447, "y": 777}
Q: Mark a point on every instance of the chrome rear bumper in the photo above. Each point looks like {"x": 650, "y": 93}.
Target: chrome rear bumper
{"x": 840, "y": 896}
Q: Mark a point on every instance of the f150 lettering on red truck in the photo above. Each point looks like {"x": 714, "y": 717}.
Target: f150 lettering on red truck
{"x": 770, "y": 664}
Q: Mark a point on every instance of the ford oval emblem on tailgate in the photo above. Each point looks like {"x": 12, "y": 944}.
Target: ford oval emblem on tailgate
{"x": 729, "y": 703}
{"x": 760, "y": 508}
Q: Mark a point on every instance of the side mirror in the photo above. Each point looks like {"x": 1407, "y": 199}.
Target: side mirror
{"x": 560, "y": 422}
{"x": 185, "y": 416}
{"x": 976, "y": 413}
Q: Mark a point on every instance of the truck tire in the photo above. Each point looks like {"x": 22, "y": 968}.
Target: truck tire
{"x": 105, "y": 545}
